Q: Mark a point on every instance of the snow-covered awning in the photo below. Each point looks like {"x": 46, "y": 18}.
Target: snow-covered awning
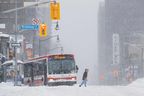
{"x": 4, "y": 35}
{"x": 11, "y": 62}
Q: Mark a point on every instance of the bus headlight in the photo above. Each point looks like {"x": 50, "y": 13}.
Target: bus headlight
{"x": 51, "y": 80}
{"x": 73, "y": 78}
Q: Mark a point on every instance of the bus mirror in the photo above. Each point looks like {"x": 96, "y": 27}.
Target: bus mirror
{"x": 77, "y": 69}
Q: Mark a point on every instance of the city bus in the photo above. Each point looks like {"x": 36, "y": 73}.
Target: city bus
{"x": 52, "y": 70}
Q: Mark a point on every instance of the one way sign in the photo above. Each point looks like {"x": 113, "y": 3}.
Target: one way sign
{"x": 16, "y": 44}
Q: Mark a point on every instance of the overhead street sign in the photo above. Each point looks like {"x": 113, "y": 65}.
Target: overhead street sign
{"x": 29, "y": 27}
{"x": 16, "y": 44}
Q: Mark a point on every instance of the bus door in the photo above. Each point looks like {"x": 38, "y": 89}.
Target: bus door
{"x": 32, "y": 73}
{"x": 45, "y": 73}
{"x": 40, "y": 70}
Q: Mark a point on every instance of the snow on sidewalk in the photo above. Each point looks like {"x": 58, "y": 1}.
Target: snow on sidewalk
{"x": 134, "y": 89}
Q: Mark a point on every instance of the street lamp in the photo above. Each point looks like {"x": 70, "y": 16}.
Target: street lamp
{"x": 29, "y": 6}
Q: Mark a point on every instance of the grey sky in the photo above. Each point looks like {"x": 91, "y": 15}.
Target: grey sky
{"x": 79, "y": 33}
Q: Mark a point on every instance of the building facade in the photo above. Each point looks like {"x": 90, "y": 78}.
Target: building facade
{"x": 9, "y": 19}
{"x": 123, "y": 18}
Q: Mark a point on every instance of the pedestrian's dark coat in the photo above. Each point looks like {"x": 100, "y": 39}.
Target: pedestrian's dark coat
{"x": 84, "y": 75}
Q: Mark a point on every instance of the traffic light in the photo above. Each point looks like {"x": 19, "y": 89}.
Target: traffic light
{"x": 43, "y": 30}
{"x": 55, "y": 10}
{"x": 11, "y": 54}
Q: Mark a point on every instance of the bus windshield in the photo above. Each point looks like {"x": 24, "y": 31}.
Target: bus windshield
{"x": 62, "y": 66}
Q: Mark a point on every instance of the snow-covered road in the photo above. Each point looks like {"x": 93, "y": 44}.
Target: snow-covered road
{"x": 134, "y": 89}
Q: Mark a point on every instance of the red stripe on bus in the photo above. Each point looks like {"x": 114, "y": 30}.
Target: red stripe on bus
{"x": 67, "y": 78}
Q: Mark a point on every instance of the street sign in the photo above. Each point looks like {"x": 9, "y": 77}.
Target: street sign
{"x": 16, "y": 44}
{"x": 35, "y": 21}
{"x": 116, "y": 50}
{"x": 29, "y": 27}
{"x": 28, "y": 45}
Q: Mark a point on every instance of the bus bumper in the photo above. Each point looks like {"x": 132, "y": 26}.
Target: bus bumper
{"x": 70, "y": 83}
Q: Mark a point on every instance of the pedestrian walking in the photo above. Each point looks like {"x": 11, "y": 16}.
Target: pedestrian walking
{"x": 84, "y": 78}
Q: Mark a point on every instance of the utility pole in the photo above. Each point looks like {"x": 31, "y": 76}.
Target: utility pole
{"x": 34, "y": 35}
{"x": 15, "y": 49}
{"x": 142, "y": 66}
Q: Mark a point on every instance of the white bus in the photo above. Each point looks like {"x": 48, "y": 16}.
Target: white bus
{"x": 59, "y": 69}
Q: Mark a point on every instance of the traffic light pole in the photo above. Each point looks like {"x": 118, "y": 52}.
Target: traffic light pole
{"x": 20, "y": 8}
{"x": 29, "y": 6}
{"x": 15, "y": 55}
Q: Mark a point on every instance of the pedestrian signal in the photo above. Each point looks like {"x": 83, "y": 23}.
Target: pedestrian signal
{"x": 43, "y": 30}
{"x": 11, "y": 54}
{"x": 55, "y": 10}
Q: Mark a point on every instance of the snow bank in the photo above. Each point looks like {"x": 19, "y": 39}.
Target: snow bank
{"x": 137, "y": 83}
{"x": 3, "y": 84}
{"x": 7, "y": 89}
